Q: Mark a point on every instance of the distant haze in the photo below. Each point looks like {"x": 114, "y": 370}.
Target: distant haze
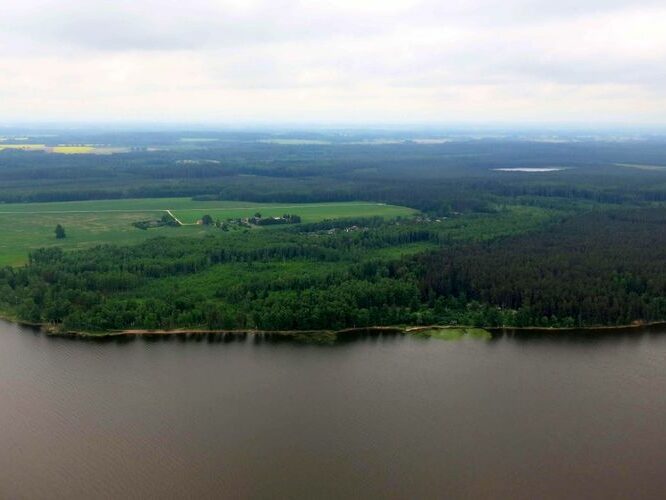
{"x": 397, "y": 61}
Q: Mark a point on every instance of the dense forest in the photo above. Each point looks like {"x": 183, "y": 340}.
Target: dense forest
{"x": 596, "y": 269}
{"x": 582, "y": 245}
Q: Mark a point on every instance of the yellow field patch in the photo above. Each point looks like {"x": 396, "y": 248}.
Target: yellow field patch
{"x": 69, "y": 150}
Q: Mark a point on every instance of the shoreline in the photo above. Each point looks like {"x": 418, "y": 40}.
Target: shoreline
{"x": 53, "y": 331}
{"x": 330, "y": 334}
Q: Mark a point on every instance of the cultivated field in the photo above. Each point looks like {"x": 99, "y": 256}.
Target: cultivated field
{"x": 28, "y": 226}
{"x": 23, "y": 147}
{"x": 311, "y": 212}
{"x": 69, "y": 150}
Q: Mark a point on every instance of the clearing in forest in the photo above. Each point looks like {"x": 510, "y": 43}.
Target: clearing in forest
{"x": 28, "y": 226}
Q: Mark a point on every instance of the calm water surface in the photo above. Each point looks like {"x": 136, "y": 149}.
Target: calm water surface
{"x": 391, "y": 417}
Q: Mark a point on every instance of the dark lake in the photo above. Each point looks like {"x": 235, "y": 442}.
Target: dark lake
{"x": 572, "y": 416}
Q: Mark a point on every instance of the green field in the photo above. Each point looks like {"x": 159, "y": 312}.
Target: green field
{"x": 452, "y": 334}
{"x": 23, "y": 147}
{"x": 309, "y": 212}
{"x": 31, "y": 225}
{"x": 66, "y": 148}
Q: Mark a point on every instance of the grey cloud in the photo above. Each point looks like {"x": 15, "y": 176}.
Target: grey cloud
{"x": 200, "y": 24}
{"x": 203, "y": 24}
{"x": 300, "y": 52}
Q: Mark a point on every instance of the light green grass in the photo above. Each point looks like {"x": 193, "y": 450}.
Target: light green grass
{"x": 450, "y": 334}
{"x": 25, "y": 227}
{"x": 25, "y": 232}
{"x": 309, "y": 212}
{"x": 398, "y": 251}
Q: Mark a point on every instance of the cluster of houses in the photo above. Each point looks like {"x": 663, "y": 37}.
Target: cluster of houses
{"x": 256, "y": 220}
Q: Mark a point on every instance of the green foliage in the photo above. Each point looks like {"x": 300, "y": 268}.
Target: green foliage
{"x": 270, "y": 279}
{"x": 30, "y": 226}
{"x": 602, "y": 268}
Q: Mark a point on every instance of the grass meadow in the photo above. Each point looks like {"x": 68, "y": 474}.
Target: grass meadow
{"x": 25, "y": 227}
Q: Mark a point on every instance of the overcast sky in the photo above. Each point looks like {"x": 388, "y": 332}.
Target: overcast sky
{"x": 344, "y": 61}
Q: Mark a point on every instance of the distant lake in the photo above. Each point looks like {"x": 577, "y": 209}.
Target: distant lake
{"x": 550, "y": 416}
{"x": 533, "y": 170}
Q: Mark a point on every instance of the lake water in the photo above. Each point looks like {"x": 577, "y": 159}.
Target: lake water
{"x": 533, "y": 170}
{"x": 393, "y": 417}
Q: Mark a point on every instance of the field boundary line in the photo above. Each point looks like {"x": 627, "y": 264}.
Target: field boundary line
{"x": 132, "y": 210}
{"x": 177, "y": 219}
{"x": 217, "y": 209}
{"x": 44, "y": 212}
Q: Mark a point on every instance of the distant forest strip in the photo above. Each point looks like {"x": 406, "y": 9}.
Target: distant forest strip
{"x": 438, "y": 179}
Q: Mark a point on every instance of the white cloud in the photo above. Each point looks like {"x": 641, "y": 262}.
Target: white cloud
{"x": 357, "y": 61}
